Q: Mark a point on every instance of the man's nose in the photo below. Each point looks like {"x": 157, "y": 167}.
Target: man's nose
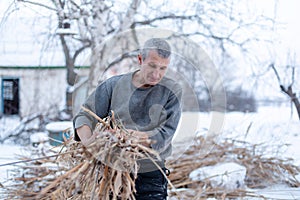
{"x": 156, "y": 73}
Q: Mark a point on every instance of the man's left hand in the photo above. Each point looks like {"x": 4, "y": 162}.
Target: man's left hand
{"x": 142, "y": 137}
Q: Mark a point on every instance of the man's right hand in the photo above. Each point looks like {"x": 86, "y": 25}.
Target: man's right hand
{"x": 85, "y": 134}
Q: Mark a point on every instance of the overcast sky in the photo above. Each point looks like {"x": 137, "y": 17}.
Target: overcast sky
{"x": 288, "y": 14}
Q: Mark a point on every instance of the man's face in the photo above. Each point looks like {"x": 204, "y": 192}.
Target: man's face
{"x": 153, "y": 68}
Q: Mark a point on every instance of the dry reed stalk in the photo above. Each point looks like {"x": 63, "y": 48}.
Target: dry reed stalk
{"x": 57, "y": 180}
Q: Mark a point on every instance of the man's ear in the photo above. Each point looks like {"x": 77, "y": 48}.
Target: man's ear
{"x": 140, "y": 59}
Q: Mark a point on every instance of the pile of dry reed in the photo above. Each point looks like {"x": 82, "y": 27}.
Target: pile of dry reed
{"x": 262, "y": 171}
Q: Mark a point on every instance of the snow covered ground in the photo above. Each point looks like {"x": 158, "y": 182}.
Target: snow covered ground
{"x": 275, "y": 126}
{"x": 8, "y": 154}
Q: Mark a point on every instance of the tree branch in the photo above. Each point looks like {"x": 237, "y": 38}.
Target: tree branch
{"x": 119, "y": 59}
{"x": 149, "y": 21}
{"x": 276, "y": 73}
{"x": 37, "y": 4}
{"x": 78, "y": 51}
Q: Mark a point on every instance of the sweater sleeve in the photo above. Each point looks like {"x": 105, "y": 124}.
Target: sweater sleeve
{"x": 99, "y": 103}
{"x": 162, "y": 135}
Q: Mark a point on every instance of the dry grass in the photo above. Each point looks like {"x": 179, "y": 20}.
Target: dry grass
{"x": 261, "y": 171}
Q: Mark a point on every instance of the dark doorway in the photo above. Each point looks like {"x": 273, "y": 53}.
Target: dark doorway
{"x": 10, "y": 94}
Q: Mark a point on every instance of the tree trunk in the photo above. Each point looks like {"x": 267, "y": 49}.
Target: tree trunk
{"x": 297, "y": 105}
{"x": 71, "y": 75}
{"x": 294, "y": 98}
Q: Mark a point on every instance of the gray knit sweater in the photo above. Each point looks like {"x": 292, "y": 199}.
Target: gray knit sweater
{"x": 155, "y": 110}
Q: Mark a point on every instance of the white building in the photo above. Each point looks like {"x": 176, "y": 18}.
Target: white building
{"x": 27, "y": 90}
{"x": 32, "y": 66}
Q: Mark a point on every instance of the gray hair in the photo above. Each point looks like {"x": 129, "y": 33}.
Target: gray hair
{"x": 161, "y": 46}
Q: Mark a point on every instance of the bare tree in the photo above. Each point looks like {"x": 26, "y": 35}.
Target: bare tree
{"x": 288, "y": 88}
{"x": 219, "y": 26}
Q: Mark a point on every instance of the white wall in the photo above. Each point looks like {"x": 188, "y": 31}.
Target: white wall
{"x": 40, "y": 89}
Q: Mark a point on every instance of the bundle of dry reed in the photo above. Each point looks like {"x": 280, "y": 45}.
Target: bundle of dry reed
{"x": 106, "y": 169}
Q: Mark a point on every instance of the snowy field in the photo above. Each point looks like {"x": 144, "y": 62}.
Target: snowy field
{"x": 276, "y": 127}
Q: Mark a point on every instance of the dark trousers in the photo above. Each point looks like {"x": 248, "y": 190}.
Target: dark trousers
{"x": 151, "y": 186}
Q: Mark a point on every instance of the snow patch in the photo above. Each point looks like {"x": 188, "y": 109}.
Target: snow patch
{"x": 39, "y": 137}
{"x": 227, "y": 175}
{"x": 59, "y": 126}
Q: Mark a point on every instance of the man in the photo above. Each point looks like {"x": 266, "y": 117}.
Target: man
{"x": 148, "y": 104}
